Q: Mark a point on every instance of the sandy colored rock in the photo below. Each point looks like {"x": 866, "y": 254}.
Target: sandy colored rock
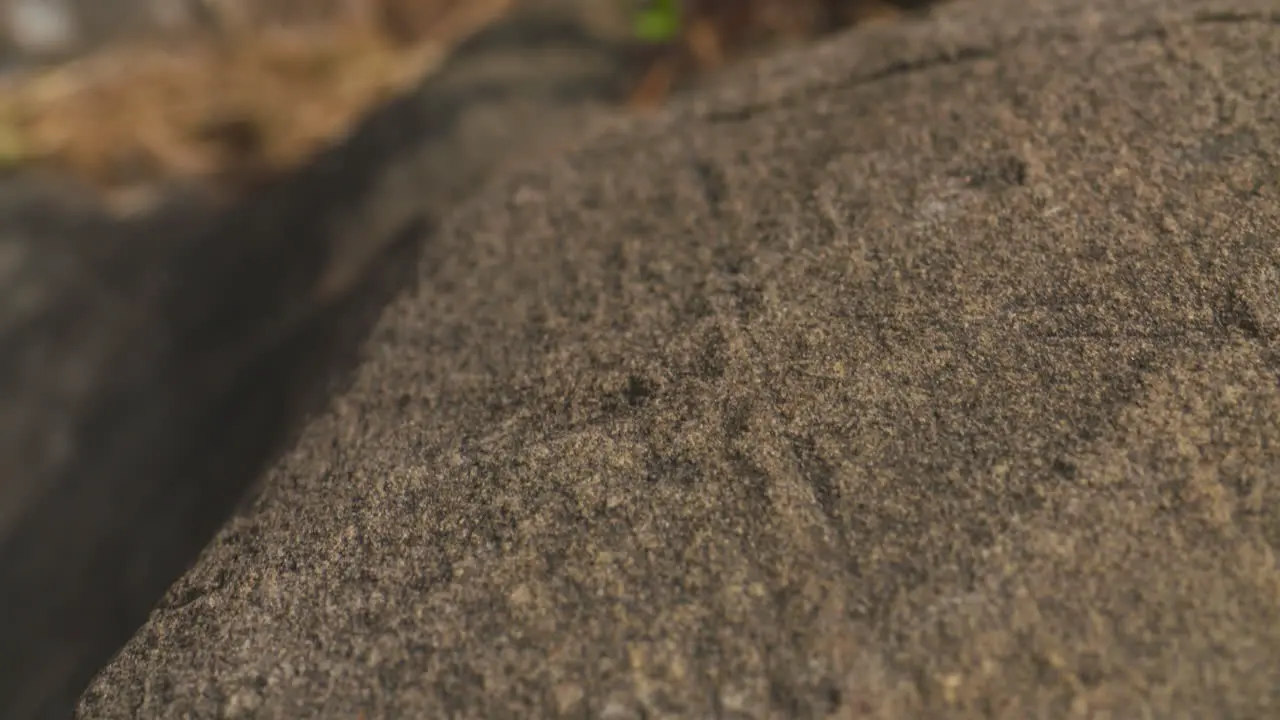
{"x": 930, "y": 372}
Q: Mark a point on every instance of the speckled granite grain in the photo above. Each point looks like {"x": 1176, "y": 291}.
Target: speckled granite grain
{"x": 932, "y": 372}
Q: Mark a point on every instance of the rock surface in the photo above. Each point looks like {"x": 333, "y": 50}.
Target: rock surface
{"x": 934, "y": 371}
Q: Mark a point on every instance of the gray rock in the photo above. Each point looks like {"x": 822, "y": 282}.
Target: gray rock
{"x": 931, "y": 372}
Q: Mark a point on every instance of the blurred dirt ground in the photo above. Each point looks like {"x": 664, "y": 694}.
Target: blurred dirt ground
{"x": 247, "y": 99}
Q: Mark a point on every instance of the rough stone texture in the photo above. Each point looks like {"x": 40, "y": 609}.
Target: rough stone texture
{"x": 149, "y": 371}
{"x": 931, "y": 372}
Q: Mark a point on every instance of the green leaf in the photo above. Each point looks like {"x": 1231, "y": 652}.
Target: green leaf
{"x": 659, "y": 22}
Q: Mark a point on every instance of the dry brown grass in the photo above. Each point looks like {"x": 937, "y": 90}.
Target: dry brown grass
{"x": 218, "y": 111}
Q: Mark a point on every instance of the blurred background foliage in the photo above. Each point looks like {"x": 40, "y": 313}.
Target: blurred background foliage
{"x": 657, "y": 21}
{"x": 128, "y": 94}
